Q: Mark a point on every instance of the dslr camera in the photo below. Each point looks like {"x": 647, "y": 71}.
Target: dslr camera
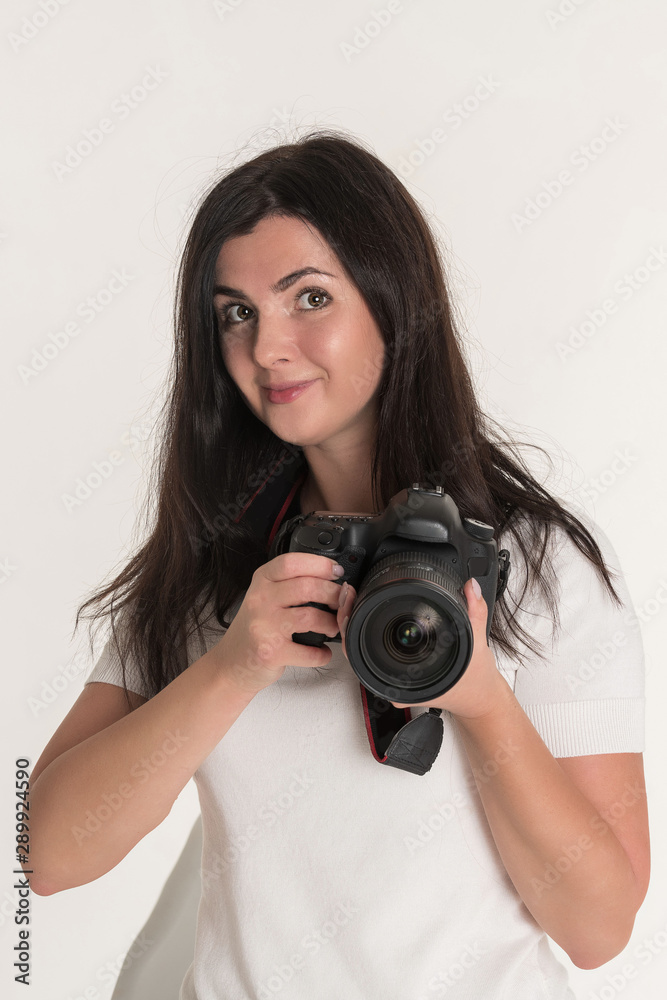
{"x": 409, "y": 637}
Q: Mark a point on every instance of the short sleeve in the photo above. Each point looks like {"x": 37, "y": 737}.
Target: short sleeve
{"x": 109, "y": 670}
{"x": 587, "y": 695}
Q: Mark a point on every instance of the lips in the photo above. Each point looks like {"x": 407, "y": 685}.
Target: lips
{"x": 287, "y": 385}
{"x": 287, "y": 395}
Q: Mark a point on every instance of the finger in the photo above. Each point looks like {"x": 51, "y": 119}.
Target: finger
{"x": 343, "y": 629}
{"x": 477, "y": 608}
{"x": 348, "y": 596}
{"x": 304, "y": 591}
{"x": 292, "y": 564}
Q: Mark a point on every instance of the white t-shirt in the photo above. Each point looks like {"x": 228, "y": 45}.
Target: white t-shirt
{"x": 328, "y": 875}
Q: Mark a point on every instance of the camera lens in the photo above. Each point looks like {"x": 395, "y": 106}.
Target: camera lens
{"x": 410, "y": 642}
{"x": 412, "y": 633}
{"x": 408, "y": 638}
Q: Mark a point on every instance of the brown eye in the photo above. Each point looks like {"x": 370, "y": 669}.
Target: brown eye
{"x": 316, "y": 297}
{"x": 229, "y": 311}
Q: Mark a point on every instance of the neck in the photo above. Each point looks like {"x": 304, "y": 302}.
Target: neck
{"x": 346, "y": 496}
{"x": 339, "y": 472}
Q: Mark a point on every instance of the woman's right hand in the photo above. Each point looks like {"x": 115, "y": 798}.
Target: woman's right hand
{"x": 258, "y": 645}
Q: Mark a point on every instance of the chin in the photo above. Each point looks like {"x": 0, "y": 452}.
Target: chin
{"x": 296, "y": 440}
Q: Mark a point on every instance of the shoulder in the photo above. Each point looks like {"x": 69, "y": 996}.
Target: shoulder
{"x": 585, "y": 694}
{"x": 567, "y": 571}
{"x": 565, "y": 610}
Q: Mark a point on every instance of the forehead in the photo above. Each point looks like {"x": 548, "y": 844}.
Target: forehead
{"x": 275, "y": 244}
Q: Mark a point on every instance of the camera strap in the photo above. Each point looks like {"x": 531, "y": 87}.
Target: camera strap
{"x": 399, "y": 740}
{"x": 395, "y": 738}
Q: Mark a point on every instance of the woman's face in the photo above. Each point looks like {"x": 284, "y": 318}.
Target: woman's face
{"x": 278, "y": 326}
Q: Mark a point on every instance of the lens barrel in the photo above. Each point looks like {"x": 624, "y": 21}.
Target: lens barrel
{"x": 409, "y": 637}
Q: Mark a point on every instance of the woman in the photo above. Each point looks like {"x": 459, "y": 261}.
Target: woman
{"x": 322, "y": 873}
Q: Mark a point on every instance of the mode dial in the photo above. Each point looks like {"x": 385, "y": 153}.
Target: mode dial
{"x": 478, "y": 529}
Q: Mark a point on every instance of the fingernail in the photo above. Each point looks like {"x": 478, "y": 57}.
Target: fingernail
{"x": 338, "y": 570}
{"x": 477, "y": 590}
{"x": 343, "y": 595}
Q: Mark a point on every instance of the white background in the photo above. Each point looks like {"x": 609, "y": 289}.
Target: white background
{"x": 230, "y": 80}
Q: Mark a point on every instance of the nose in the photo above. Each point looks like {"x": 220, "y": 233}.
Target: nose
{"x": 274, "y": 338}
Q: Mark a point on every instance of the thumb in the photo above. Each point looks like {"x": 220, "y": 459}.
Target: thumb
{"x": 477, "y": 607}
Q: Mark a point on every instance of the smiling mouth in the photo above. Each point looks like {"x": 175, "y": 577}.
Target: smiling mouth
{"x": 287, "y": 385}
{"x": 287, "y": 395}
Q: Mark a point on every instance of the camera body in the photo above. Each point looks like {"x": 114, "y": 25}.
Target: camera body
{"x": 409, "y": 637}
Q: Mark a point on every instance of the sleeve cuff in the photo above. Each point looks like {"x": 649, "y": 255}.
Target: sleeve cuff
{"x": 578, "y": 728}
{"x": 108, "y": 672}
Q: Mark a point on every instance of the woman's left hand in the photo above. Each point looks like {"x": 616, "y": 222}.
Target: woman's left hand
{"x": 477, "y": 691}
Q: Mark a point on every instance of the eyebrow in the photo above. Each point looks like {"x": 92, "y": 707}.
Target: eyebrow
{"x": 280, "y": 286}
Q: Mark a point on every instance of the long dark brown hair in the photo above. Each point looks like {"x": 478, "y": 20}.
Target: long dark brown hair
{"x": 430, "y": 427}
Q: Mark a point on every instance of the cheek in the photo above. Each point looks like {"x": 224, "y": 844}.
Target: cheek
{"x": 367, "y": 370}
{"x": 231, "y": 354}
{"x": 355, "y": 370}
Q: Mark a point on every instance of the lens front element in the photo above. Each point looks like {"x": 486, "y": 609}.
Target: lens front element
{"x": 409, "y": 637}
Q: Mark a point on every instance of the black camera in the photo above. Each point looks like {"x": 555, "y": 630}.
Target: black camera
{"x": 409, "y": 637}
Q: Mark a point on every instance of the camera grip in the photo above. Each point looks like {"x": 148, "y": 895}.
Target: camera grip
{"x": 313, "y": 638}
